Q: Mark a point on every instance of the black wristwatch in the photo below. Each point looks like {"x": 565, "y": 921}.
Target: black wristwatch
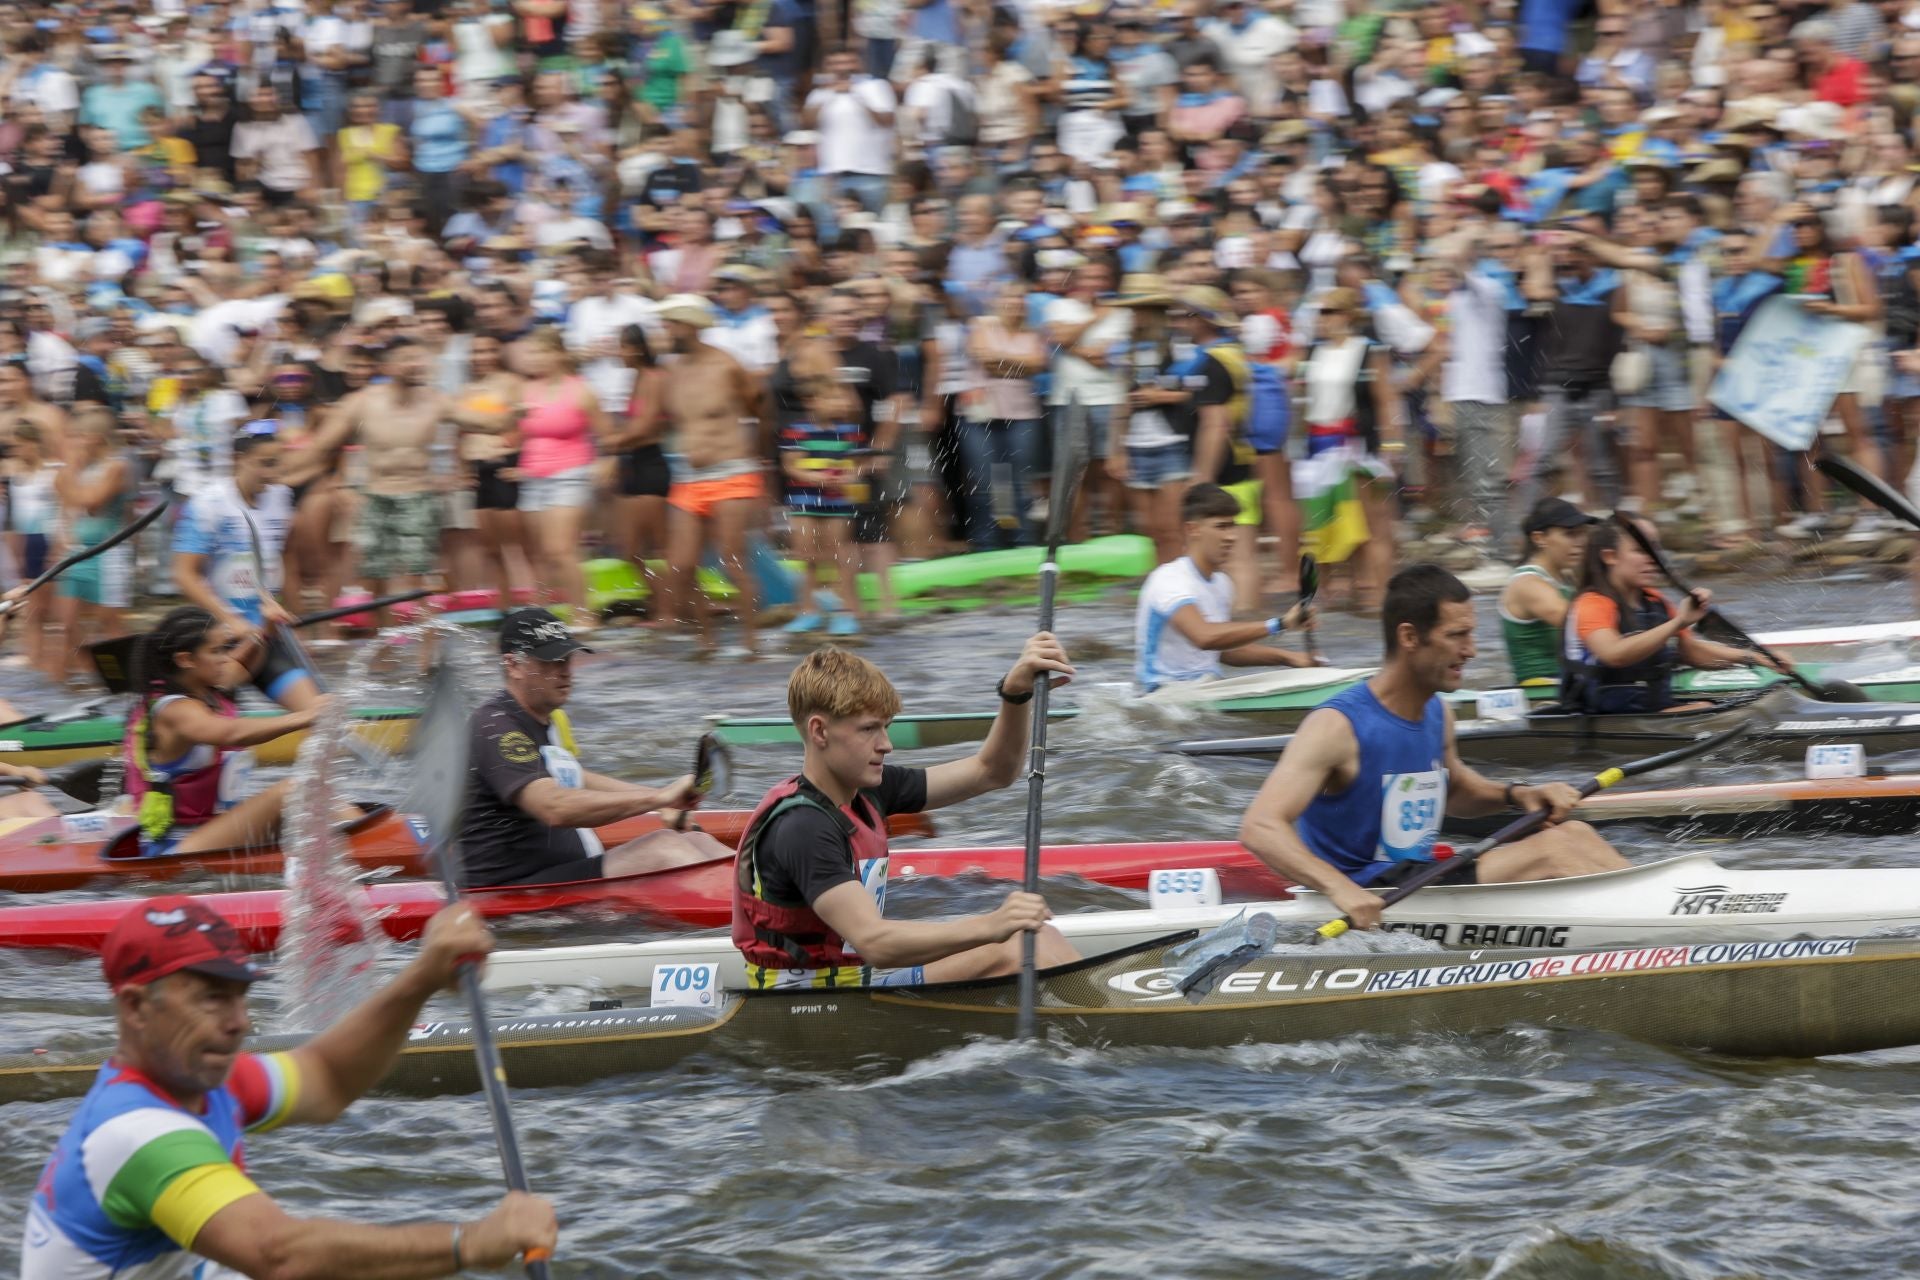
{"x": 1508, "y": 793}
{"x": 1000, "y": 687}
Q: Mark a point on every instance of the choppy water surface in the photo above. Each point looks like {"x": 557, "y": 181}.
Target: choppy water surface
{"x": 1525, "y": 1154}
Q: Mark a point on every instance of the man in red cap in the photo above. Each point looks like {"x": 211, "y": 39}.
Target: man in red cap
{"x": 149, "y": 1179}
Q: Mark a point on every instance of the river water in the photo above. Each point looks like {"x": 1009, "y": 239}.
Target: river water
{"x": 1526, "y": 1154}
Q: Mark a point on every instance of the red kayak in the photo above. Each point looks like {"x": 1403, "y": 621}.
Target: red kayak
{"x": 696, "y": 894}
{"x": 38, "y": 855}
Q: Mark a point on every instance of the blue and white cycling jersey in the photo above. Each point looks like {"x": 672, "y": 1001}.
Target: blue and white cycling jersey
{"x": 214, "y": 525}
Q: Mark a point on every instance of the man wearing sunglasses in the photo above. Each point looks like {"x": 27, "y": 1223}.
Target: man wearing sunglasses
{"x": 227, "y": 551}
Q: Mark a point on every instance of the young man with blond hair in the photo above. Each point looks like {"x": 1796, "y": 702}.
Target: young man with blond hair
{"x": 810, "y": 879}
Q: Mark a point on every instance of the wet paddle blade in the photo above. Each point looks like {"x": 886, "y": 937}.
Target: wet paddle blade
{"x": 712, "y": 768}
{"x": 1870, "y": 487}
{"x": 1309, "y": 578}
{"x": 437, "y": 756}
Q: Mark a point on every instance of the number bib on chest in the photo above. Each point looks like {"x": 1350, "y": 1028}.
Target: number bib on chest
{"x": 1410, "y": 810}
{"x": 236, "y": 778}
{"x": 564, "y": 769}
{"x": 234, "y": 581}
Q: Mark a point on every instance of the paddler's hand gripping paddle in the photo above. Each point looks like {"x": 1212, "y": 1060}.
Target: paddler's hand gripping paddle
{"x": 1528, "y": 823}
{"x": 712, "y": 776}
{"x": 1831, "y": 691}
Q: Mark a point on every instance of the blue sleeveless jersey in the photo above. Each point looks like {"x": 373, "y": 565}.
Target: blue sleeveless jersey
{"x": 1391, "y": 812}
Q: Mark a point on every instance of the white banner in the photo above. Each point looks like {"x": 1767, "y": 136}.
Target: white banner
{"x": 1784, "y": 371}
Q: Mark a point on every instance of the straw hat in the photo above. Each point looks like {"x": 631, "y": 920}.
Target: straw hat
{"x": 1209, "y": 304}
{"x": 1144, "y": 289}
{"x": 687, "y": 308}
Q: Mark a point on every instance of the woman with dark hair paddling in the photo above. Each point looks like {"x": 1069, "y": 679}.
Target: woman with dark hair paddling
{"x": 1535, "y": 601}
{"x": 1624, "y": 641}
{"x": 187, "y": 750}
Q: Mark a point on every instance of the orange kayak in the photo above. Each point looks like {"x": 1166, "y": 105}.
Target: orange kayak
{"x": 38, "y": 855}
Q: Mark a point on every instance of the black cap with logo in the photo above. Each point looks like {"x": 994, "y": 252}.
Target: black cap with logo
{"x": 538, "y": 634}
{"x": 1556, "y": 513}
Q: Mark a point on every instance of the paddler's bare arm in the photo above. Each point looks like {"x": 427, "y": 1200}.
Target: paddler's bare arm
{"x": 256, "y": 1237}
{"x": 1471, "y": 794}
{"x": 545, "y": 800}
{"x": 1698, "y": 651}
{"x": 1532, "y": 599}
{"x": 1616, "y": 650}
{"x": 849, "y": 911}
{"x": 997, "y": 763}
{"x": 190, "y": 721}
{"x": 1241, "y": 644}
{"x": 1322, "y": 753}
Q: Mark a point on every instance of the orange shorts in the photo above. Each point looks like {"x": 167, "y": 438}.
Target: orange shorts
{"x": 700, "y": 497}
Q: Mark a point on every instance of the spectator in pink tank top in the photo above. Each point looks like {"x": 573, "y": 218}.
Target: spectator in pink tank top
{"x": 559, "y": 425}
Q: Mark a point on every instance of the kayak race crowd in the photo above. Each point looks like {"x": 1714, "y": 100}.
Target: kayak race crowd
{"x": 465, "y": 294}
{"x": 512, "y": 285}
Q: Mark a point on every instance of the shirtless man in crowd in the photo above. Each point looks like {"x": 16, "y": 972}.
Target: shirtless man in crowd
{"x": 402, "y": 509}
{"x": 718, "y": 496}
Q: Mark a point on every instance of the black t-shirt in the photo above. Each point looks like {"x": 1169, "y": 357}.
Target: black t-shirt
{"x": 874, "y": 372}
{"x": 1212, "y": 384}
{"x": 499, "y": 841}
{"x": 804, "y": 852}
{"x": 212, "y": 141}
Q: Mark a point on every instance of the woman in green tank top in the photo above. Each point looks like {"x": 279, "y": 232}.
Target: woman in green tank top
{"x": 1533, "y": 605}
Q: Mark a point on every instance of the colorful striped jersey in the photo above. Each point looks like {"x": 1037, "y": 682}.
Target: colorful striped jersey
{"x": 136, "y": 1176}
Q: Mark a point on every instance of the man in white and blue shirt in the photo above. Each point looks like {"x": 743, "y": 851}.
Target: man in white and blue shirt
{"x": 1184, "y": 629}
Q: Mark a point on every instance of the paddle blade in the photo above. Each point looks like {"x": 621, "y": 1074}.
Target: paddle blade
{"x": 1309, "y": 578}
{"x": 437, "y": 755}
{"x": 1069, "y": 455}
{"x": 1870, "y": 487}
{"x": 712, "y": 768}
{"x": 1632, "y": 528}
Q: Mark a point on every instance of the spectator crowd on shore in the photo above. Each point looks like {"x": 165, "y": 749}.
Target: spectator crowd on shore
{"x": 512, "y": 284}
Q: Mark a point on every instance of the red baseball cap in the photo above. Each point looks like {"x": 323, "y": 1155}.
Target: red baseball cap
{"x": 171, "y": 933}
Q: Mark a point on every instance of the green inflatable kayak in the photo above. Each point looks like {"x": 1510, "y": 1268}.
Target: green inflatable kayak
{"x": 921, "y": 585}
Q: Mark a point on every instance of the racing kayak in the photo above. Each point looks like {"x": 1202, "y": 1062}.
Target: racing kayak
{"x": 62, "y": 739}
{"x": 1796, "y": 998}
{"x": 1785, "y": 725}
{"x": 697, "y": 893}
{"x": 1283, "y": 697}
{"x": 1691, "y": 898}
{"x": 42, "y": 854}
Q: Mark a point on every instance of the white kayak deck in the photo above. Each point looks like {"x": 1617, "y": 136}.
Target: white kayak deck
{"x": 1690, "y": 899}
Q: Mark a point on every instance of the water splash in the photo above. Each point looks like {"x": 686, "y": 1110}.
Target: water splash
{"x": 329, "y": 940}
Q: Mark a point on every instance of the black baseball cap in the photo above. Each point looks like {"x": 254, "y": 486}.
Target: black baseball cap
{"x": 538, "y": 634}
{"x": 1556, "y": 513}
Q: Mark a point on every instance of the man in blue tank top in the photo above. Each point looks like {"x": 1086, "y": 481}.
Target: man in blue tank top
{"x": 1357, "y": 798}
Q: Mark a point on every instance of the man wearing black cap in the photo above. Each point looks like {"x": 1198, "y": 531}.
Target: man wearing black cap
{"x": 1534, "y": 603}
{"x": 150, "y": 1177}
{"x": 530, "y": 806}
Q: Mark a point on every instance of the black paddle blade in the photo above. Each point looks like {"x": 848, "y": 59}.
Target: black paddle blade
{"x": 437, "y": 754}
{"x": 1633, "y": 530}
{"x": 1870, "y": 487}
{"x": 712, "y": 768}
{"x": 1309, "y": 577}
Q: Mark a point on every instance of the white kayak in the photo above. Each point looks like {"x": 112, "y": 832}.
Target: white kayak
{"x": 1817, "y": 637}
{"x": 1257, "y": 684}
{"x": 1690, "y": 899}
